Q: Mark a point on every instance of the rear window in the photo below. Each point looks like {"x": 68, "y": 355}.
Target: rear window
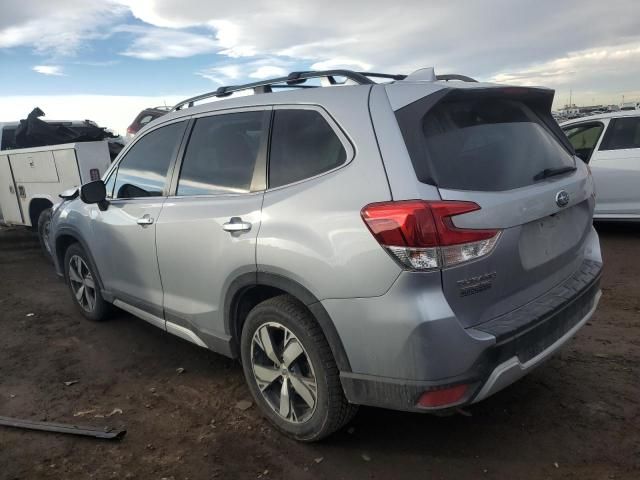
{"x": 485, "y": 144}
{"x": 303, "y": 145}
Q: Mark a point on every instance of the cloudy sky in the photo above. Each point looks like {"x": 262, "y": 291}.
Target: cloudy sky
{"x": 105, "y": 60}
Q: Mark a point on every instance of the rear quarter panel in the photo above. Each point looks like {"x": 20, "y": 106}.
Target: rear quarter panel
{"x": 312, "y": 231}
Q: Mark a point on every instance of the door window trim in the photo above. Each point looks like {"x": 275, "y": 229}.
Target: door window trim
{"x": 259, "y": 179}
{"x": 347, "y": 144}
{"x": 116, "y": 165}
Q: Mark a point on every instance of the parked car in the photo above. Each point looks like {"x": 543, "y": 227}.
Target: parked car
{"x": 416, "y": 245}
{"x": 610, "y": 145}
{"x": 143, "y": 118}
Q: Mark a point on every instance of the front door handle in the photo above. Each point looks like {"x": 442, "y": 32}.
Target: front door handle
{"x": 145, "y": 220}
{"x": 235, "y": 224}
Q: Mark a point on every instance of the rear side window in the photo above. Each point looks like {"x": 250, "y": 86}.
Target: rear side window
{"x": 221, "y": 154}
{"x": 8, "y": 138}
{"x": 622, "y": 133}
{"x": 143, "y": 170}
{"x": 484, "y": 144}
{"x": 303, "y": 145}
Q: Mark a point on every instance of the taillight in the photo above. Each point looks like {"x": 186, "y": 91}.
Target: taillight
{"x": 421, "y": 235}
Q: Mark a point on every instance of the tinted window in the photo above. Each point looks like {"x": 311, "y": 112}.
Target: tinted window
{"x": 483, "y": 144}
{"x": 146, "y": 119}
{"x": 622, "y": 133}
{"x": 221, "y": 154}
{"x": 302, "y": 145}
{"x": 143, "y": 170}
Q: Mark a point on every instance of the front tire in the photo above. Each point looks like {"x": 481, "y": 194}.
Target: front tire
{"x": 44, "y": 226}
{"x": 291, "y": 372}
{"x": 83, "y": 284}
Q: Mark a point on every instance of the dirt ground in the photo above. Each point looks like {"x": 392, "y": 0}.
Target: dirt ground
{"x": 576, "y": 417}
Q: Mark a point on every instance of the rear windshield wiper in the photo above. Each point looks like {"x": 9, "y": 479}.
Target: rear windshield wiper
{"x": 551, "y": 172}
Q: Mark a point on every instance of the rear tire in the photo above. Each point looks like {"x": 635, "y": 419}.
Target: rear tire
{"x": 44, "y": 224}
{"x": 286, "y": 355}
{"x": 83, "y": 284}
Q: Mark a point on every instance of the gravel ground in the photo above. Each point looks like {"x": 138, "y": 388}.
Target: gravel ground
{"x": 576, "y": 417}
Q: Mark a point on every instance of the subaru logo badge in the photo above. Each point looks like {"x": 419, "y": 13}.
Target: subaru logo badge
{"x": 562, "y": 198}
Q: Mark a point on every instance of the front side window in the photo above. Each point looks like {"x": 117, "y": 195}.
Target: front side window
{"x": 143, "y": 170}
{"x": 584, "y": 138}
{"x": 622, "y": 133}
{"x": 303, "y": 145}
{"x": 222, "y": 153}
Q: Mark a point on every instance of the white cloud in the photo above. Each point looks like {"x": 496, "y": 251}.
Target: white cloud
{"x": 151, "y": 43}
{"x": 614, "y": 67}
{"x": 58, "y": 28}
{"x": 49, "y": 69}
{"x": 267, "y": 71}
{"x": 235, "y": 72}
{"x": 485, "y": 39}
{"x": 341, "y": 62}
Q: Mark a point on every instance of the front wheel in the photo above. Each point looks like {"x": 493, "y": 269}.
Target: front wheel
{"x": 83, "y": 284}
{"x": 291, "y": 372}
{"x": 44, "y": 227}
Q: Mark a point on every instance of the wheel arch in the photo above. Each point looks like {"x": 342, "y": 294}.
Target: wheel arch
{"x": 250, "y": 289}
{"x": 65, "y": 237}
{"x": 36, "y": 206}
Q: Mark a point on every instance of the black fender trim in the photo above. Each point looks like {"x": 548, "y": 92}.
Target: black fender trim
{"x": 72, "y": 232}
{"x": 293, "y": 288}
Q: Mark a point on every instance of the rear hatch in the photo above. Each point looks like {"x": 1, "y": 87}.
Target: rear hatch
{"x": 501, "y": 149}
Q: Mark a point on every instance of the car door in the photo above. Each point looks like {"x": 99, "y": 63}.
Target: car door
{"x": 616, "y": 170}
{"x": 584, "y": 137}
{"x": 206, "y": 232}
{"x": 124, "y": 235}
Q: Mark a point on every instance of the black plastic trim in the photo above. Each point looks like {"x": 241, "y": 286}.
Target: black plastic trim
{"x": 75, "y": 234}
{"x": 248, "y": 280}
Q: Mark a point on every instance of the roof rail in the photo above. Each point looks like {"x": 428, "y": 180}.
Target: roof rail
{"x": 294, "y": 79}
{"x": 297, "y": 80}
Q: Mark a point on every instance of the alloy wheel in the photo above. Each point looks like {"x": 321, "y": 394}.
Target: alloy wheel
{"x": 283, "y": 372}
{"x": 82, "y": 283}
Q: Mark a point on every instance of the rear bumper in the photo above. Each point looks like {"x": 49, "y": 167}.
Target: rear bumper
{"x": 513, "y": 369}
{"x": 520, "y": 341}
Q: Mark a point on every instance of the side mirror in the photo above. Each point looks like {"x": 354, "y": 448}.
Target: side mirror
{"x": 94, "y": 192}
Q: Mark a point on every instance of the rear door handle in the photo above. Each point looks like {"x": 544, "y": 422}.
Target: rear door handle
{"x": 145, "y": 220}
{"x": 235, "y": 224}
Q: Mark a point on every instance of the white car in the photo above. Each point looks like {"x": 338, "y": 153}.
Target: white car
{"x": 610, "y": 145}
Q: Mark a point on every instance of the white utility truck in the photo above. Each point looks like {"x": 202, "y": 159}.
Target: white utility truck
{"x": 32, "y": 178}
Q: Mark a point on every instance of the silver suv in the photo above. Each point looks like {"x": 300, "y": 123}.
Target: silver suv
{"x": 415, "y": 245}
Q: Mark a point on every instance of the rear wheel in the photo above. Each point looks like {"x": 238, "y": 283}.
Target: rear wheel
{"x": 44, "y": 227}
{"x": 83, "y": 285}
{"x": 291, "y": 372}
